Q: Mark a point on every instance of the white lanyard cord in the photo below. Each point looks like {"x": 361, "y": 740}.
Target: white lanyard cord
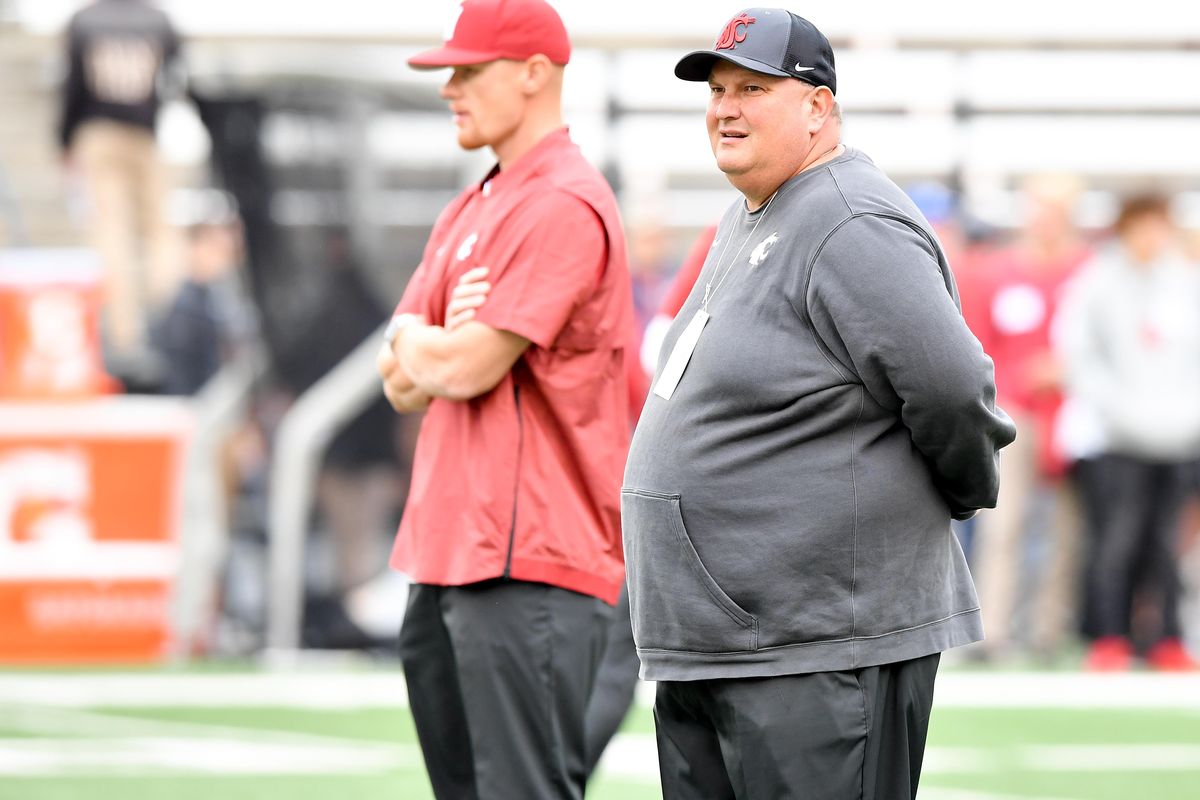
{"x": 709, "y": 289}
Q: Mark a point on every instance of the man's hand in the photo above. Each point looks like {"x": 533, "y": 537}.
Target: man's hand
{"x": 457, "y": 361}
{"x": 468, "y": 295}
{"x": 398, "y": 388}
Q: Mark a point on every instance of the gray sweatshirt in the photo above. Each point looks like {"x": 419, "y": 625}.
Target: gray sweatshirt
{"x": 788, "y": 509}
{"x": 1130, "y": 338}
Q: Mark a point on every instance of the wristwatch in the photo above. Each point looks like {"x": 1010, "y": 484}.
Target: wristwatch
{"x": 397, "y": 324}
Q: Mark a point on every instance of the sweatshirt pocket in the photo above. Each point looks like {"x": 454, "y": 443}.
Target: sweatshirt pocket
{"x": 674, "y": 601}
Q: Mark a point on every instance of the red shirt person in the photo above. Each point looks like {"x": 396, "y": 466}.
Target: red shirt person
{"x": 513, "y": 334}
{"x": 522, "y": 481}
{"x": 1015, "y": 311}
{"x": 1014, "y": 321}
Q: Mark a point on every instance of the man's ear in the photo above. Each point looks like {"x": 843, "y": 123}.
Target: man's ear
{"x": 822, "y": 108}
{"x": 538, "y": 70}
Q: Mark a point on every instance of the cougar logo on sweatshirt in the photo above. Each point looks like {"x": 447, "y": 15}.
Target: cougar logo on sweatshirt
{"x": 760, "y": 253}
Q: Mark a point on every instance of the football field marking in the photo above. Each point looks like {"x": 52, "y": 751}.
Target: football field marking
{"x": 67, "y": 742}
{"x": 71, "y": 742}
{"x": 942, "y": 793}
{"x": 141, "y": 756}
{"x": 64, "y": 738}
{"x": 634, "y": 756}
{"x": 303, "y": 690}
{"x": 361, "y": 690}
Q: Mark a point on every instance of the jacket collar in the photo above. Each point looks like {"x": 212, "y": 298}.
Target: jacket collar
{"x": 530, "y": 163}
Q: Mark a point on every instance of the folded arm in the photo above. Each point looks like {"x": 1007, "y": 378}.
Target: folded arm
{"x": 458, "y": 361}
{"x": 458, "y": 364}
{"x": 398, "y": 388}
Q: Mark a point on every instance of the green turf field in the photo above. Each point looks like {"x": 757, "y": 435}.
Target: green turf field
{"x": 182, "y": 739}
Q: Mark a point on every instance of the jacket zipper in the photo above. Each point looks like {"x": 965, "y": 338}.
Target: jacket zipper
{"x": 512, "y": 533}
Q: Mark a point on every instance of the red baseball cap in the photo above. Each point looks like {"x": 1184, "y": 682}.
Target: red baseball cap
{"x": 487, "y": 30}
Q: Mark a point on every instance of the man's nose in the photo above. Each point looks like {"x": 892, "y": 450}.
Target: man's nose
{"x": 726, "y": 107}
{"x": 449, "y": 89}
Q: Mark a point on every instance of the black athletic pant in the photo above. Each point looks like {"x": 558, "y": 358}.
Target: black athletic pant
{"x": 615, "y": 684}
{"x": 499, "y": 675}
{"x": 1134, "y": 548}
{"x": 820, "y": 736}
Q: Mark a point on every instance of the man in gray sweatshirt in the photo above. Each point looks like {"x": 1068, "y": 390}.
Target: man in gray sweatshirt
{"x": 819, "y": 414}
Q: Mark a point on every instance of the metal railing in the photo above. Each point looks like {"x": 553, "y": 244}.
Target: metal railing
{"x": 10, "y": 213}
{"x": 219, "y": 407}
{"x": 300, "y": 443}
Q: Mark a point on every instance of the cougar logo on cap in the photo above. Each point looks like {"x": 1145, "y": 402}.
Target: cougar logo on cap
{"x": 734, "y": 33}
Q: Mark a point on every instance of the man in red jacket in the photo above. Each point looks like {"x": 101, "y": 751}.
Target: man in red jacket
{"x": 513, "y": 334}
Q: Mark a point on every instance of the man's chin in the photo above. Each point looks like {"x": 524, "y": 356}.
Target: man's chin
{"x": 468, "y": 141}
{"x": 730, "y": 166}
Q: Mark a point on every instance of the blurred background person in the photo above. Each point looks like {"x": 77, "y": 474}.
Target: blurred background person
{"x": 206, "y": 316}
{"x": 968, "y": 259}
{"x": 1023, "y": 283}
{"x": 1130, "y": 334}
{"x": 119, "y": 56}
{"x": 673, "y": 298}
{"x": 209, "y": 325}
{"x": 650, "y": 268}
{"x": 362, "y": 480}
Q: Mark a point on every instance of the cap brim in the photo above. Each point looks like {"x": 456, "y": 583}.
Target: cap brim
{"x": 440, "y": 57}
{"x": 697, "y": 65}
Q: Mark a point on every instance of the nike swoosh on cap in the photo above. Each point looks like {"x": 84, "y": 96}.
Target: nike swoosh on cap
{"x": 799, "y": 68}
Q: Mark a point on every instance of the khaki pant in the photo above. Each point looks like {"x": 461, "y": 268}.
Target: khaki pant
{"x": 998, "y": 544}
{"x": 128, "y": 225}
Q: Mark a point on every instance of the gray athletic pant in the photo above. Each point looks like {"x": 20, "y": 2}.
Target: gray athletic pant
{"x": 499, "y": 675}
{"x": 821, "y": 736}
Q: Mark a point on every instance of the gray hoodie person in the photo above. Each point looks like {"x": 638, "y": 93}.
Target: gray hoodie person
{"x": 1130, "y": 340}
{"x": 787, "y": 510}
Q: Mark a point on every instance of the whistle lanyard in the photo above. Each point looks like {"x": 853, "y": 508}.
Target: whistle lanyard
{"x": 709, "y": 289}
{"x": 681, "y": 353}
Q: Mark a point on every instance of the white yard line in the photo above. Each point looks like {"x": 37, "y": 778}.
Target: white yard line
{"x": 325, "y": 690}
{"x": 70, "y": 722}
{"x": 76, "y": 742}
{"x": 90, "y": 743}
{"x": 942, "y": 793}
{"x": 356, "y": 690}
{"x": 142, "y": 756}
{"x": 633, "y": 756}
{"x": 1134, "y": 690}
{"x": 1111, "y": 758}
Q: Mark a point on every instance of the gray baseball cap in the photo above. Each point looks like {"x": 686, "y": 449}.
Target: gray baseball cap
{"x": 773, "y": 41}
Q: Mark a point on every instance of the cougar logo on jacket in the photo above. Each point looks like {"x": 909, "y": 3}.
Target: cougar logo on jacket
{"x": 468, "y": 244}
